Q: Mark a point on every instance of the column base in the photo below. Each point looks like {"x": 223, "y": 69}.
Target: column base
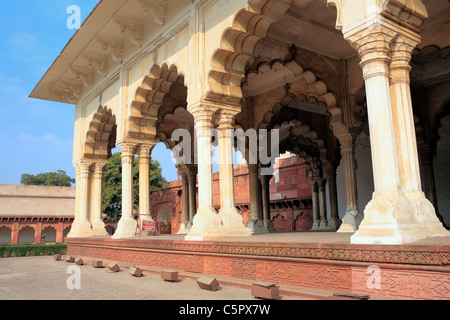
{"x": 98, "y": 229}
{"x": 268, "y": 224}
{"x": 256, "y": 226}
{"x": 407, "y": 218}
{"x": 350, "y": 222}
{"x": 126, "y": 229}
{"x": 183, "y": 228}
{"x": 206, "y": 226}
{"x": 80, "y": 229}
{"x": 333, "y": 224}
{"x": 233, "y": 223}
{"x": 319, "y": 225}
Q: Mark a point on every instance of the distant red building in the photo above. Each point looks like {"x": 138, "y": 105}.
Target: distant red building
{"x": 290, "y": 198}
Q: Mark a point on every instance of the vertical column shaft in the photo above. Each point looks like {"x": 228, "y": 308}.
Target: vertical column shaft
{"x": 192, "y": 180}
{"x": 255, "y": 223}
{"x": 144, "y": 182}
{"x": 127, "y": 225}
{"x": 185, "y": 201}
{"x": 81, "y": 226}
{"x": 352, "y": 217}
{"x": 315, "y": 204}
{"x": 408, "y": 160}
{"x": 98, "y": 226}
{"x": 322, "y": 204}
{"x": 231, "y": 218}
{"x": 333, "y": 222}
{"x": 265, "y": 187}
{"x": 207, "y": 223}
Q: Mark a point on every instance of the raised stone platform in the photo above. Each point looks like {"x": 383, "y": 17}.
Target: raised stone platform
{"x": 321, "y": 260}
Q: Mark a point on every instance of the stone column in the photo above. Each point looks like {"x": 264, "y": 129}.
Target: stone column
{"x": 231, "y": 218}
{"x": 265, "y": 186}
{"x": 127, "y": 225}
{"x": 185, "y": 195}
{"x": 207, "y": 223}
{"x": 98, "y": 225}
{"x": 192, "y": 180}
{"x": 15, "y": 229}
{"x": 315, "y": 203}
{"x": 397, "y": 213}
{"x": 38, "y": 232}
{"x": 144, "y": 185}
{"x": 333, "y": 222}
{"x": 255, "y": 223}
{"x": 322, "y": 205}
{"x": 59, "y": 232}
{"x": 81, "y": 227}
{"x": 420, "y": 216}
{"x": 352, "y": 217}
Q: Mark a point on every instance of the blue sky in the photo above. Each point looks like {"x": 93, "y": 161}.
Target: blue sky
{"x": 37, "y": 136}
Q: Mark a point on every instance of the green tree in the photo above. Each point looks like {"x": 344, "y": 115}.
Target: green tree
{"x": 58, "y": 179}
{"x": 112, "y": 181}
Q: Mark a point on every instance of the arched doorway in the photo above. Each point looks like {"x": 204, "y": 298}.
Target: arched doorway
{"x": 26, "y": 235}
{"x": 50, "y": 234}
{"x": 165, "y": 220}
{"x": 5, "y": 235}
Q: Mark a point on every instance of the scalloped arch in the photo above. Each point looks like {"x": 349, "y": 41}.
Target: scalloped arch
{"x": 295, "y": 128}
{"x": 237, "y": 48}
{"x": 161, "y": 90}
{"x": 101, "y": 136}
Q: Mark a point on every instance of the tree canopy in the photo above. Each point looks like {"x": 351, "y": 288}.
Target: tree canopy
{"x": 58, "y": 179}
{"x": 112, "y": 181}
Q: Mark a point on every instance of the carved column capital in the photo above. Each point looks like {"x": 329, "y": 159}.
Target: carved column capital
{"x": 99, "y": 170}
{"x": 128, "y": 150}
{"x": 83, "y": 169}
{"x": 183, "y": 173}
{"x": 264, "y": 180}
{"x": 226, "y": 120}
{"x": 192, "y": 172}
{"x": 203, "y": 120}
{"x": 373, "y": 47}
{"x": 145, "y": 150}
{"x": 401, "y": 58}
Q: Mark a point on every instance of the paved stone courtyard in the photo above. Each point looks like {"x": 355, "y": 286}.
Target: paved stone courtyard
{"x": 43, "y": 278}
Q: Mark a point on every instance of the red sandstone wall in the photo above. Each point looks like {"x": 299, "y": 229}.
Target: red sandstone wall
{"x": 289, "y": 182}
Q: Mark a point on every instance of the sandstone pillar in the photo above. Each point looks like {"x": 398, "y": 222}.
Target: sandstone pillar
{"x": 15, "y": 229}
{"x": 38, "y": 232}
{"x": 59, "y": 232}
{"x": 144, "y": 185}
{"x": 322, "y": 205}
{"x": 81, "y": 227}
{"x": 98, "y": 225}
{"x": 315, "y": 203}
{"x": 207, "y": 223}
{"x": 352, "y": 217}
{"x": 127, "y": 225}
{"x": 265, "y": 186}
{"x": 231, "y": 218}
{"x": 398, "y": 212}
{"x": 333, "y": 222}
{"x": 255, "y": 223}
{"x": 185, "y": 196}
{"x": 192, "y": 180}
